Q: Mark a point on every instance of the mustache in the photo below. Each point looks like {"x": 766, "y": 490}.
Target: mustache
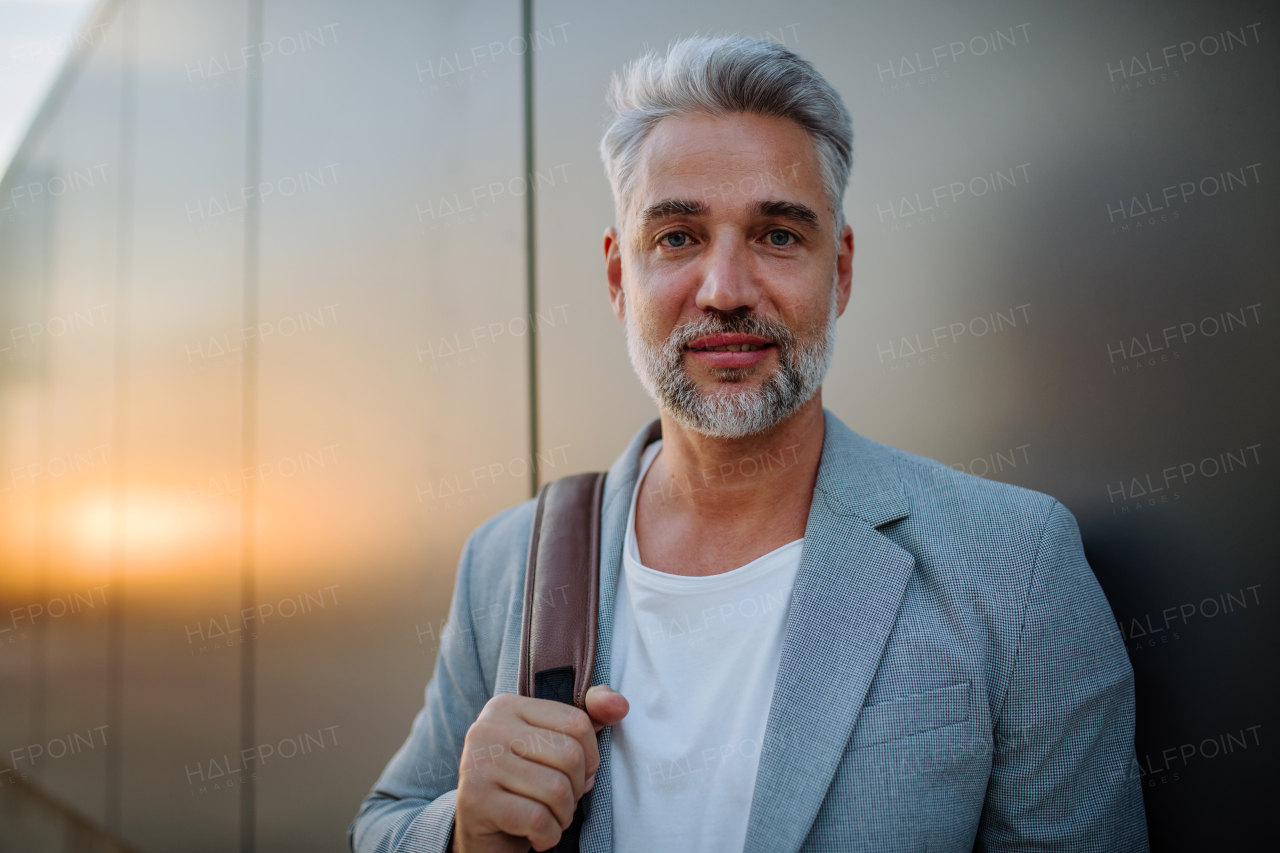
{"x": 724, "y": 322}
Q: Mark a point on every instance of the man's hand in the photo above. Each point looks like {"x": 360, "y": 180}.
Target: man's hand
{"x": 525, "y": 764}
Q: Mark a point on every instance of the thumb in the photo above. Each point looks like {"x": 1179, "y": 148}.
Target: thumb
{"x": 605, "y": 706}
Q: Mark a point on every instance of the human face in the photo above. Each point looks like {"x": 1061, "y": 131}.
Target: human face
{"x": 730, "y": 273}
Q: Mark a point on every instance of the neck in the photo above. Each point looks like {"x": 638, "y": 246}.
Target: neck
{"x": 730, "y": 480}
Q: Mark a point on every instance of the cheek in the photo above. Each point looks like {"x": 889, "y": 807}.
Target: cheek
{"x": 651, "y": 317}
{"x": 659, "y": 297}
{"x": 808, "y": 317}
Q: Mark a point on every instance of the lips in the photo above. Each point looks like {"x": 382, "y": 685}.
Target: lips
{"x": 730, "y": 349}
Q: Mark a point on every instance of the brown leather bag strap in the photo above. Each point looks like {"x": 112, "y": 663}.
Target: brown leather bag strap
{"x": 561, "y": 591}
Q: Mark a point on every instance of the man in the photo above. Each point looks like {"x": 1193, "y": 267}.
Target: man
{"x": 807, "y": 640}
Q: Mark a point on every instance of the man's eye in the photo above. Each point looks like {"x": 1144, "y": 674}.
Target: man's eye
{"x": 675, "y": 240}
{"x": 778, "y": 237}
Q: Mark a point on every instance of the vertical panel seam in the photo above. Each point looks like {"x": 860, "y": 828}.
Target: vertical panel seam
{"x": 530, "y": 243}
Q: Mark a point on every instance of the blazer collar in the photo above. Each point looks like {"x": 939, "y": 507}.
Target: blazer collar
{"x": 858, "y": 476}
{"x": 849, "y": 589}
{"x": 847, "y": 593}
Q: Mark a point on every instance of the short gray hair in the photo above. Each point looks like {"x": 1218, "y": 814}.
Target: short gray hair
{"x": 722, "y": 76}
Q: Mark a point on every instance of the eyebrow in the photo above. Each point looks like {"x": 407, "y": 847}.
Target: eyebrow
{"x": 671, "y": 207}
{"x": 800, "y": 214}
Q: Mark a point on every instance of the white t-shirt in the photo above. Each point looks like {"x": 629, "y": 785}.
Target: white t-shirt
{"x": 697, "y": 658}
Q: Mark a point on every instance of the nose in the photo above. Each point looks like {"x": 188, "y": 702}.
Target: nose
{"x": 728, "y": 283}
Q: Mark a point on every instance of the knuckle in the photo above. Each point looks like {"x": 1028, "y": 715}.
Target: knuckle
{"x": 501, "y": 702}
{"x": 580, "y": 725}
{"x": 571, "y": 753}
{"x": 560, "y": 789}
{"x": 481, "y": 732}
{"x": 544, "y": 823}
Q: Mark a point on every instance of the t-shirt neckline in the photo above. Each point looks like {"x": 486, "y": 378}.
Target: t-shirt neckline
{"x": 637, "y": 571}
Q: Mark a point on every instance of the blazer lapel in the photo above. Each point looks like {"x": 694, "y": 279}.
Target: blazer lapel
{"x": 846, "y": 599}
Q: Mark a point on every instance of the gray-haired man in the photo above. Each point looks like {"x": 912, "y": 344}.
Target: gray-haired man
{"x": 851, "y": 649}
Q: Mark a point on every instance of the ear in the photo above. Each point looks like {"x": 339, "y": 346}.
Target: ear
{"x": 613, "y": 272}
{"x": 844, "y": 269}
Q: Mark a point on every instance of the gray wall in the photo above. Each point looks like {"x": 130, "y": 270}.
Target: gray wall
{"x": 1021, "y": 309}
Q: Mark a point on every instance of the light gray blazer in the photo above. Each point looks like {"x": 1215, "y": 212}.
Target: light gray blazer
{"x": 951, "y": 678}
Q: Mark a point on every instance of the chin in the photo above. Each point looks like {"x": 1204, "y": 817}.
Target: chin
{"x": 731, "y": 375}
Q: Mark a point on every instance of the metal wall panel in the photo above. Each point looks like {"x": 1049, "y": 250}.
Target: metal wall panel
{"x": 1030, "y": 304}
{"x": 57, "y": 237}
{"x": 382, "y": 282}
{"x": 361, "y": 376}
{"x": 70, "y": 700}
{"x": 1014, "y": 323}
{"x": 182, "y": 412}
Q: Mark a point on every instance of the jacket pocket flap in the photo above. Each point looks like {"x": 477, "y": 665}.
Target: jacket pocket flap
{"x": 912, "y": 715}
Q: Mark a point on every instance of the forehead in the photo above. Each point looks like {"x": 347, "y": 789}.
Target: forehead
{"x": 728, "y": 162}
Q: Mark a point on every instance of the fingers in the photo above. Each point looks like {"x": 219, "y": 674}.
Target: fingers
{"x": 558, "y": 751}
{"x": 513, "y": 815}
{"x": 567, "y": 721}
{"x": 606, "y": 707}
{"x": 543, "y": 713}
{"x": 526, "y": 764}
{"x": 495, "y": 752}
{"x": 548, "y": 786}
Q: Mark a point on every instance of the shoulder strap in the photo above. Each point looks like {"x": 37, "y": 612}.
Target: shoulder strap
{"x": 561, "y": 591}
{"x": 561, "y": 601}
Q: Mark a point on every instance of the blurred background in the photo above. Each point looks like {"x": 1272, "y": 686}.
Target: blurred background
{"x": 293, "y": 295}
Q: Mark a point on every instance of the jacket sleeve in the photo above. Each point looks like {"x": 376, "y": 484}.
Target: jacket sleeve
{"x": 411, "y": 808}
{"x": 1063, "y": 740}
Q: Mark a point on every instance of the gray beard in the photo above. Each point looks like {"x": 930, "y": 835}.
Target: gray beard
{"x": 733, "y": 411}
